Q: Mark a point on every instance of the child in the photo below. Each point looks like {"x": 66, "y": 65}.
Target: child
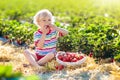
{"x": 45, "y": 39}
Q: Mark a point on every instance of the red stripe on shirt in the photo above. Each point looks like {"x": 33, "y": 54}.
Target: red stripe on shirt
{"x": 45, "y": 48}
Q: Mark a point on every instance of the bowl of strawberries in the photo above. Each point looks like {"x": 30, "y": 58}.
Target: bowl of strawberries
{"x": 70, "y": 58}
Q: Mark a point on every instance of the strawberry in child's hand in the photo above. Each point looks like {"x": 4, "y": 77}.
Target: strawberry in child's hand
{"x": 47, "y": 26}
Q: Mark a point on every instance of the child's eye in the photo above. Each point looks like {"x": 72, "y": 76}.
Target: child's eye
{"x": 44, "y": 20}
{"x": 49, "y": 19}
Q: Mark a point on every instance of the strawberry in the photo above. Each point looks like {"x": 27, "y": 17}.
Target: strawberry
{"x": 6, "y": 37}
{"x": 19, "y": 42}
{"x": 64, "y": 59}
{"x": 59, "y": 67}
{"x": 81, "y": 57}
{"x": 70, "y": 57}
{"x": 70, "y": 60}
{"x": 74, "y": 60}
{"x": 91, "y": 54}
{"x": 67, "y": 53}
{"x": 67, "y": 59}
{"x": 56, "y": 67}
{"x": 73, "y": 55}
{"x": 77, "y": 56}
{"x": 60, "y": 57}
{"x": 112, "y": 60}
{"x": 64, "y": 55}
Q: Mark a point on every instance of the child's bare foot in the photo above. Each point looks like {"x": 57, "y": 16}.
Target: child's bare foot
{"x": 26, "y": 65}
{"x": 39, "y": 68}
{"x": 35, "y": 65}
{"x": 30, "y": 58}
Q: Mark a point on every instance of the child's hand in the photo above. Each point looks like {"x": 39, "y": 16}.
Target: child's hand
{"x": 52, "y": 26}
{"x": 45, "y": 29}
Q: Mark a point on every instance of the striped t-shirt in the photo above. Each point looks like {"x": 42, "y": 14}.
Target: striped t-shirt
{"x": 49, "y": 44}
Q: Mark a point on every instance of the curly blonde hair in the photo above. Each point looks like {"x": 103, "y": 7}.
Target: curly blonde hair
{"x": 42, "y": 14}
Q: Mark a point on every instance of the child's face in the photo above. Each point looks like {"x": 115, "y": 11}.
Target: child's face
{"x": 45, "y": 21}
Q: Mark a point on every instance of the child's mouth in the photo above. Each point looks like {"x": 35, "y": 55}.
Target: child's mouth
{"x": 47, "y": 26}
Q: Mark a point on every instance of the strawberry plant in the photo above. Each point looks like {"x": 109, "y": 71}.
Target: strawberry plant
{"x": 6, "y": 73}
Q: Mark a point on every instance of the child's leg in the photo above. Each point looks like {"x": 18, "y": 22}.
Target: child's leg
{"x": 45, "y": 59}
{"x": 31, "y": 58}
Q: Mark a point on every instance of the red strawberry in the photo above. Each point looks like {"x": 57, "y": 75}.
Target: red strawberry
{"x": 47, "y": 26}
{"x": 64, "y": 55}
{"x": 112, "y": 60}
{"x": 19, "y": 42}
{"x": 64, "y": 60}
{"x": 59, "y": 67}
{"x": 67, "y": 59}
{"x": 73, "y": 55}
{"x": 60, "y": 57}
{"x": 81, "y": 57}
{"x": 70, "y": 60}
{"x": 74, "y": 60}
{"x": 6, "y": 37}
{"x": 56, "y": 67}
{"x": 91, "y": 54}
{"x": 67, "y": 53}
{"x": 77, "y": 56}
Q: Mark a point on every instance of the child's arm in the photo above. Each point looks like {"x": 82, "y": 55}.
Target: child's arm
{"x": 61, "y": 30}
{"x": 41, "y": 41}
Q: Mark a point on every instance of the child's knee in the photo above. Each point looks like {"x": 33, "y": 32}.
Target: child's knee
{"x": 26, "y": 52}
{"x": 51, "y": 55}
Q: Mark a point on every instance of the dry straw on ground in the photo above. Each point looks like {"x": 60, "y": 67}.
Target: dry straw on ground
{"x": 12, "y": 55}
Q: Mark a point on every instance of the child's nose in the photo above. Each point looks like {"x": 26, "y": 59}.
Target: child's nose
{"x": 48, "y": 22}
